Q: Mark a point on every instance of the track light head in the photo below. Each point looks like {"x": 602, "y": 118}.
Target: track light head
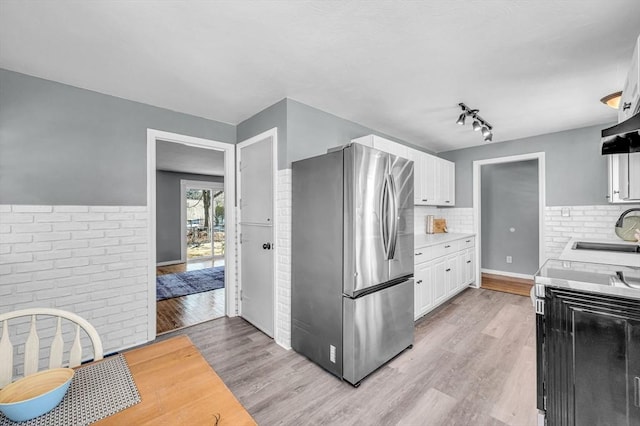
{"x": 488, "y": 137}
{"x": 485, "y": 131}
{"x": 476, "y": 125}
{"x": 461, "y": 119}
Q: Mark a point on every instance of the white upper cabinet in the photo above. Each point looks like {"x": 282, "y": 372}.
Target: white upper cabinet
{"x": 433, "y": 177}
{"x": 383, "y": 144}
{"x": 631, "y": 90}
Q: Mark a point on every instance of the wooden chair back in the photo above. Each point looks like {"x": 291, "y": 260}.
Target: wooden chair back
{"x": 32, "y": 342}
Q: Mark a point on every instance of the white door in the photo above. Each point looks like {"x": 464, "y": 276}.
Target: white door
{"x": 256, "y": 166}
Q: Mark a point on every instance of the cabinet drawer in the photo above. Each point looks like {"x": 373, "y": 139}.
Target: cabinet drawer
{"x": 421, "y": 255}
{"x": 444, "y": 249}
{"x": 467, "y": 243}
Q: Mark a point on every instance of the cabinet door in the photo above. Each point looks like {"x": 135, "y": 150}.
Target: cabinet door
{"x": 451, "y": 273}
{"x": 629, "y": 99}
{"x": 439, "y": 280}
{"x": 634, "y": 176}
{"x": 429, "y": 179}
{"x": 591, "y": 366}
{"x": 447, "y": 183}
{"x": 469, "y": 270}
{"x": 416, "y": 156}
{"x": 424, "y": 287}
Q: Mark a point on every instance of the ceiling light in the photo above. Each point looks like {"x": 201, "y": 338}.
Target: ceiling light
{"x": 479, "y": 123}
{"x": 612, "y": 100}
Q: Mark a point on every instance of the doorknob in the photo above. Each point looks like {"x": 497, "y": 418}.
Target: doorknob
{"x": 266, "y": 246}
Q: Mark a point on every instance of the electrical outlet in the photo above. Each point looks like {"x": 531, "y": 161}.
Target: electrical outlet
{"x": 565, "y": 212}
{"x": 332, "y": 354}
{"x": 509, "y": 259}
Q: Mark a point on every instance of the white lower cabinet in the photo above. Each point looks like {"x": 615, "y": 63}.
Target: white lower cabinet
{"x": 423, "y": 292}
{"x": 443, "y": 273}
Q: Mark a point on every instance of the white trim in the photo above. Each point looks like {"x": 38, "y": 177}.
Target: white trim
{"x": 506, "y": 274}
{"x": 184, "y": 185}
{"x": 540, "y": 156}
{"x": 273, "y": 133}
{"x": 230, "y": 217}
{"x": 170, "y": 262}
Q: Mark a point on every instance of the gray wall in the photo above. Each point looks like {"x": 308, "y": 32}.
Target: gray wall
{"x": 273, "y": 116}
{"x": 64, "y": 145}
{"x": 576, "y": 173}
{"x": 312, "y": 131}
{"x": 168, "y": 212}
{"x": 510, "y": 200}
{"x": 305, "y": 131}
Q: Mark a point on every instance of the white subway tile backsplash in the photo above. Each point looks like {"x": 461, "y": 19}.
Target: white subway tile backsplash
{"x": 87, "y": 259}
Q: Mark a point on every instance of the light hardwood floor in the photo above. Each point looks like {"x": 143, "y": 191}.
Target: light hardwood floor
{"x": 507, "y": 284}
{"x": 473, "y": 363}
{"x": 179, "y": 312}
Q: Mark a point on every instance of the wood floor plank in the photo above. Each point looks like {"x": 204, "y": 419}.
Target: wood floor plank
{"x": 184, "y": 311}
{"x": 519, "y": 286}
{"x": 457, "y": 373}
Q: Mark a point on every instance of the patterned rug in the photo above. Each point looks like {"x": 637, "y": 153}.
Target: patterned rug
{"x": 190, "y": 282}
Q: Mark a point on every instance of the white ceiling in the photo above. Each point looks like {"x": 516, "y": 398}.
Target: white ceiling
{"x": 531, "y": 67}
{"x": 175, "y": 157}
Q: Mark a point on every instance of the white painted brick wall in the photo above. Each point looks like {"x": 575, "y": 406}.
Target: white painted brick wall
{"x": 283, "y": 266}
{"x": 91, "y": 260}
{"x": 459, "y": 219}
{"x": 420, "y": 214}
{"x": 596, "y": 222}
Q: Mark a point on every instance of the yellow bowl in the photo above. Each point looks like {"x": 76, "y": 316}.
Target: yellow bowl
{"x": 35, "y": 394}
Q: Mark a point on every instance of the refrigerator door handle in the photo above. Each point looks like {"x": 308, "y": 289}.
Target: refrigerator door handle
{"x": 384, "y": 217}
{"x": 394, "y": 219}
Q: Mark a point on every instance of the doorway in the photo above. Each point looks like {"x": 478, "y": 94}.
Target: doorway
{"x": 257, "y": 165}
{"x": 191, "y": 231}
{"x": 202, "y": 219}
{"x": 508, "y": 209}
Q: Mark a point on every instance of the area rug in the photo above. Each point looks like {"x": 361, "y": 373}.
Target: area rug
{"x": 190, "y": 282}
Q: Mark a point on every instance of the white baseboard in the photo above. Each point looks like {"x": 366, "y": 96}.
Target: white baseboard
{"x": 507, "y": 274}
{"x": 169, "y": 262}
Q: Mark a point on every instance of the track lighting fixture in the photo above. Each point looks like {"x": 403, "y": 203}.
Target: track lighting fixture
{"x": 479, "y": 123}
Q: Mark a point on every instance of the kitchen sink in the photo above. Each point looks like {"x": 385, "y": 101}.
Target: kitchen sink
{"x": 620, "y": 248}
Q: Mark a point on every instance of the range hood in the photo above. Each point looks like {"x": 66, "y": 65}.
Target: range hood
{"x": 623, "y": 138}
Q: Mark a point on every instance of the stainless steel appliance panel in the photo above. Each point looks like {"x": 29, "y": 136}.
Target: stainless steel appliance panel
{"x": 366, "y": 172}
{"x": 316, "y": 290}
{"x": 377, "y": 326}
{"x": 402, "y": 262}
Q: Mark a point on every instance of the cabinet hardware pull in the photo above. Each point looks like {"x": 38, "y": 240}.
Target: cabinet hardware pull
{"x": 447, "y": 201}
{"x": 424, "y": 199}
{"x": 468, "y": 241}
{"x": 468, "y": 261}
{"x": 418, "y": 254}
{"x": 419, "y": 282}
{"x": 626, "y": 106}
{"x": 448, "y": 270}
{"x": 447, "y": 246}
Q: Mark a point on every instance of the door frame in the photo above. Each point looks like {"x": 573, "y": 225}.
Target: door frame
{"x": 184, "y": 184}
{"x": 273, "y": 133}
{"x": 477, "y": 208}
{"x": 153, "y": 136}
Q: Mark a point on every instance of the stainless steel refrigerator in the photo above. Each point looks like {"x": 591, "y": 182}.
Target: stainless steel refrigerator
{"x": 352, "y": 259}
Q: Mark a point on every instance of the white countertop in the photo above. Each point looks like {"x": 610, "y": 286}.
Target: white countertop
{"x": 426, "y": 240}
{"x": 597, "y": 256}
